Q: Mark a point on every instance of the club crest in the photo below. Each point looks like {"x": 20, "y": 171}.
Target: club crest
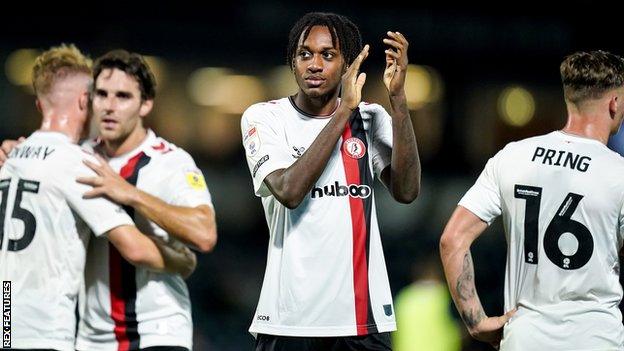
{"x": 354, "y": 147}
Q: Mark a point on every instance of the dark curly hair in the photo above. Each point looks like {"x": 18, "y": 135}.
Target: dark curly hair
{"x": 345, "y": 34}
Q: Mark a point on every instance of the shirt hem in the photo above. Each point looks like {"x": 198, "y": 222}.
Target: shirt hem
{"x": 110, "y": 225}
{"x": 42, "y": 344}
{"x": 476, "y": 211}
{"x": 283, "y": 330}
{"x": 146, "y": 341}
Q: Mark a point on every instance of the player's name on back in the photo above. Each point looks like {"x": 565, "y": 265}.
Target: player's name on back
{"x": 561, "y": 158}
{"x": 32, "y": 151}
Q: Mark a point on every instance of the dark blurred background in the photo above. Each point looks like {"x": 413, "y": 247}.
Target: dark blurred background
{"x": 481, "y": 76}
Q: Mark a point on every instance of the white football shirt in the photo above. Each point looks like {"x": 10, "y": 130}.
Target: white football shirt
{"x": 561, "y": 197}
{"x": 325, "y": 274}
{"x": 44, "y": 230}
{"x": 128, "y": 308}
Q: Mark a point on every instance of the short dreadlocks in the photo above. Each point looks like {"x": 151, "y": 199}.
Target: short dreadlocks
{"x": 345, "y": 34}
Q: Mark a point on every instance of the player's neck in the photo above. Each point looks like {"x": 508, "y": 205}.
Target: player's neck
{"x": 587, "y": 126}
{"x": 318, "y": 106}
{"x": 61, "y": 122}
{"x": 116, "y": 148}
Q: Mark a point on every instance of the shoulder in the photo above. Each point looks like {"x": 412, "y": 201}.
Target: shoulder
{"x": 70, "y": 161}
{"x": 264, "y": 111}
{"x": 522, "y": 145}
{"x": 165, "y": 150}
{"x": 74, "y": 154}
{"x": 169, "y": 155}
{"x": 161, "y": 146}
{"x": 614, "y": 158}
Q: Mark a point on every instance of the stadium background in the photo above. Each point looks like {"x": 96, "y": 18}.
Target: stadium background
{"x": 482, "y": 76}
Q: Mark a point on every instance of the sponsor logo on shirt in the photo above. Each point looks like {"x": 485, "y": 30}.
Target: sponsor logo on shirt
{"x": 263, "y": 318}
{"x": 387, "y": 310}
{"x": 251, "y": 141}
{"x": 354, "y": 148}
{"x": 162, "y": 148}
{"x": 353, "y": 190}
{"x": 260, "y": 163}
{"x": 196, "y": 180}
{"x": 298, "y": 151}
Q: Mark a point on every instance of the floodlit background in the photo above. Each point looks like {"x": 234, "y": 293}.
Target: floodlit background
{"x": 478, "y": 78}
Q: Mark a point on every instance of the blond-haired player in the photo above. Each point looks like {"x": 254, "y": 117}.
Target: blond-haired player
{"x": 45, "y": 221}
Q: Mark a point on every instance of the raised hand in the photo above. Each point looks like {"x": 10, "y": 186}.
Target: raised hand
{"x": 396, "y": 63}
{"x": 353, "y": 81}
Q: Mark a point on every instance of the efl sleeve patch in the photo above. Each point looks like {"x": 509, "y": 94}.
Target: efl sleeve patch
{"x": 251, "y": 140}
{"x": 196, "y": 180}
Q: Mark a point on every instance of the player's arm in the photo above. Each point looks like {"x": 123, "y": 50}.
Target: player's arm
{"x": 150, "y": 253}
{"x": 6, "y": 147}
{"x": 461, "y": 230}
{"x": 402, "y": 177}
{"x": 194, "y": 226}
{"x": 290, "y": 185}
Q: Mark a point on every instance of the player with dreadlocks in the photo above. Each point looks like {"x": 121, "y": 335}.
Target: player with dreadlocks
{"x": 312, "y": 157}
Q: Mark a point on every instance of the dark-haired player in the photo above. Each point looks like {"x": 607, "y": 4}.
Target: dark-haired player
{"x": 312, "y": 157}
{"x": 161, "y": 187}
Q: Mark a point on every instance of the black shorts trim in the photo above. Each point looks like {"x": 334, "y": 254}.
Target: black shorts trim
{"x": 370, "y": 342}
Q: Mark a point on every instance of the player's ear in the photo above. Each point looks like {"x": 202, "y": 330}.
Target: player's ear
{"x": 38, "y": 104}
{"x": 146, "y": 107}
{"x": 83, "y": 101}
{"x": 613, "y": 106}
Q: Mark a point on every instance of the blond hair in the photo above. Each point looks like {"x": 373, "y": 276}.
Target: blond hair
{"x": 57, "y": 63}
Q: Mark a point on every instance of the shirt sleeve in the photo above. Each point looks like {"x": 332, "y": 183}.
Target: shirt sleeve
{"x": 484, "y": 199}
{"x": 100, "y": 214}
{"x": 187, "y": 183}
{"x": 381, "y": 148}
{"x": 265, "y": 146}
{"x": 621, "y": 226}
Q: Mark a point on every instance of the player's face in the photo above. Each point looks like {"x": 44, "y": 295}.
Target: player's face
{"x": 318, "y": 65}
{"x": 117, "y": 105}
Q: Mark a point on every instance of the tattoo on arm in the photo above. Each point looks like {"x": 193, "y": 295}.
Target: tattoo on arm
{"x": 466, "y": 291}
{"x": 472, "y": 317}
{"x": 405, "y": 169}
{"x": 465, "y": 281}
{"x": 402, "y": 107}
